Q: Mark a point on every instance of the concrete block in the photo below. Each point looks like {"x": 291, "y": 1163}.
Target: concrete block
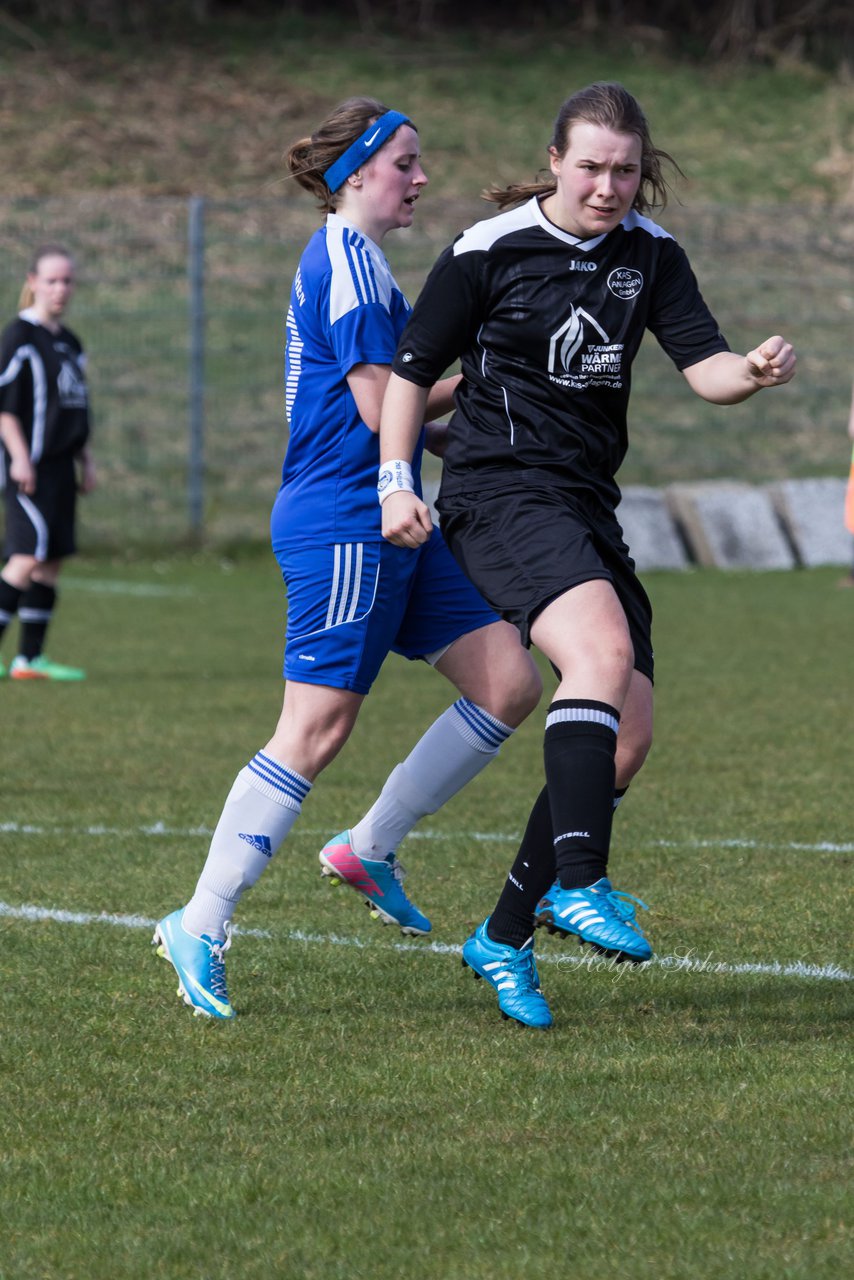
{"x": 730, "y": 525}
{"x": 650, "y": 529}
{"x": 812, "y": 513}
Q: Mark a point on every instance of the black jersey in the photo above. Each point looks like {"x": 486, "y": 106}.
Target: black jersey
{"x": 43, "y": 383}
{"x": 546, "y": 327}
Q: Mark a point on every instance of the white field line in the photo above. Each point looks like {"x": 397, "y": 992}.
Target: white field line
{"x": 686, "y": 963}
{"x": 486, "y": 837}
{"x": 106, "y": 586}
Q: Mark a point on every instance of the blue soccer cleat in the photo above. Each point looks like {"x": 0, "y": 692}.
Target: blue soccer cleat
{"x": 513, "y": 973}
{"x": 199, "y": 965}
{"x": 598, "y": 915}
{"x": 378, "y": 881}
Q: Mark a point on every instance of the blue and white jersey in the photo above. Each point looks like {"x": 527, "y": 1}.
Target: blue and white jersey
{"x": 346, "y": 309}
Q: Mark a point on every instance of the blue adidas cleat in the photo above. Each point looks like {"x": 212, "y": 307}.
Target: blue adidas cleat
{"x": 199, "y": 965}
{"x": 598, "y": 915}
{"x": 380, "y": 882}
{"x": 513, "y": 974}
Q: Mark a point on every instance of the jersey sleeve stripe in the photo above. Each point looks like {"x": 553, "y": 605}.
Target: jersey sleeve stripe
{"x": 20, "y": 357}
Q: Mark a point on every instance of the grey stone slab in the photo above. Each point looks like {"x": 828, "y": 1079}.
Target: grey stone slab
{"x": 812, "y": 513}
{"x": 650, "y": 530}
{"x": 730, "y": 525}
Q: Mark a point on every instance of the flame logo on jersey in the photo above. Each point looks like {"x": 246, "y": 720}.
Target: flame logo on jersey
{"x": 565, "y": 343}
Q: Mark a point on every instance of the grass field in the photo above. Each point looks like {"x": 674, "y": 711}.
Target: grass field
{"x": 369, "y": 1115}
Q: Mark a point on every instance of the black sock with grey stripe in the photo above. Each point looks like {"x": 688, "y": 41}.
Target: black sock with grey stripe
{"x": 34, "y": 613}
{"x": 9, "y": 600}
{"x": 579, "y": 748}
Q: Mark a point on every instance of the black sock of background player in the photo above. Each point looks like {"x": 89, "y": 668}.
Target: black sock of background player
{"x": 9, "y": 600}
{"x": 34, "y": 614}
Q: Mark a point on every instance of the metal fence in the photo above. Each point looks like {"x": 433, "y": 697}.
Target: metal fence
{"x": 181, "y": 307}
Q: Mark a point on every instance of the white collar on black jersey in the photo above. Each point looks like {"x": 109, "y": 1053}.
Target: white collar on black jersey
{"x": 558, "y": 232}
{"x": 29, "y": 314}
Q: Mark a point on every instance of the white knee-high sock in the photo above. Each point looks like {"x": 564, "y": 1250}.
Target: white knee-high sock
{"x": 454, "y": 750}
{"x": 262, "y": 806}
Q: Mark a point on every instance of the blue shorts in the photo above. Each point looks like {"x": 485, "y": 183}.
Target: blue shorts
{"x": 350, "y": 604}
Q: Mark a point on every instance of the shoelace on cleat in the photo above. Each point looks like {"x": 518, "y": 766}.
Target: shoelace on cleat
{"x": 217, "y": 971}
{"x": 621, "y": 904}
{"x": 521, "y": 966}
{"x": 397, "y": 870}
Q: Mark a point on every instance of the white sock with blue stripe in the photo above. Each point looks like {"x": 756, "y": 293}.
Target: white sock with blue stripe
{"x": 262, "y": 806}
{"x": 455, "y": 749}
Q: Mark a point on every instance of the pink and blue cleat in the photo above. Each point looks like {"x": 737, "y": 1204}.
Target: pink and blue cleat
{"x": 379, "y": 881}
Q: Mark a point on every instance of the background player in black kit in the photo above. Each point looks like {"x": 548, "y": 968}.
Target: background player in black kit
{"x": 45, "y": 457}
{"x": 546, "y": 306}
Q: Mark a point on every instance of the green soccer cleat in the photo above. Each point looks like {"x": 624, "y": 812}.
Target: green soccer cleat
{"x": 41, "y": 668}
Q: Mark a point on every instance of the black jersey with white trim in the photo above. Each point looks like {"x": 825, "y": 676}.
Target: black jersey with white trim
{"x": 546, "y": 327}
{"x": 43, "y": 383}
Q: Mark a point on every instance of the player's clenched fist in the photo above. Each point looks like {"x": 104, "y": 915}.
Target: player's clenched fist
{"x": 406, "y": 520}
{"x": 773, "y": 362}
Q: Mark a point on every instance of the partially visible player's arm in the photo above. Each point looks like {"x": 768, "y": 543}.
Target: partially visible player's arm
{"x": 849, "y": 488}
{"x": 406, "y": 519}
{"x": 441, "y": 396}
{"x": 88, "y": 476}
{"x": 728, "y": 378}
{"x": 369, "y": 381}
{"x": 21, "y": 469}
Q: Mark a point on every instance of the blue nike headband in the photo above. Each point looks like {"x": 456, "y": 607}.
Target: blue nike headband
{"x": 363, "y": 148}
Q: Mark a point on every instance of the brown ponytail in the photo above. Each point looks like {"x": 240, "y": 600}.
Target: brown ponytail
{"x": 309, "y": 158}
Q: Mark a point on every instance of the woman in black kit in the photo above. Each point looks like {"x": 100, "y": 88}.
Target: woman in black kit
{"x": 546, "y": 306}
{"x": 45, "y": 458}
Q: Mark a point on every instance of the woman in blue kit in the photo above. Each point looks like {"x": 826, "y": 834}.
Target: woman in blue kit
{"x": 352, "y": 596}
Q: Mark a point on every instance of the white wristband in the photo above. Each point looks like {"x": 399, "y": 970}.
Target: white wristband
{"x": 394, "y": 476}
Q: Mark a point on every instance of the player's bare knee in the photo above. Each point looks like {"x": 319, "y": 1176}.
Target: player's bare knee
{"x": 511, "y": 692}
{"x": 525, "y": 694}
{"x": 632, "y": 751}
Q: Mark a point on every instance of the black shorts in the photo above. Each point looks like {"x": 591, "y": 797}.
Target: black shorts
{"x": 523, "y": 548}
{"x": 41, "y": 524}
